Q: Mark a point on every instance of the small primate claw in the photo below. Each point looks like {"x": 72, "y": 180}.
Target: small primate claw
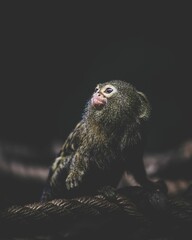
{"x": 161, "y": 186}
{"x": 73, "y": 179}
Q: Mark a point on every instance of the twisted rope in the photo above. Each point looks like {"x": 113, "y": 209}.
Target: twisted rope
{"x": 132, "y": 204}
{"x": 51, "y": 216}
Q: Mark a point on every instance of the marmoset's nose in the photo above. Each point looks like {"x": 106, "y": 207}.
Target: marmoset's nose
{"x": 100, "y": 94}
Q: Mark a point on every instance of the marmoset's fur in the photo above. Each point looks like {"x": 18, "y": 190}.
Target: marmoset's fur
{"x": 105, "y": 143}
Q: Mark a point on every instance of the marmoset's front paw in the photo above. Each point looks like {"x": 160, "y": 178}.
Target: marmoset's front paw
{"x": 108, "y": 192}
{"x": 73, "y": 179}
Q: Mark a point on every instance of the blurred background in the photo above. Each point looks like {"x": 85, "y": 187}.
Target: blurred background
{"x": 51, "y": 61}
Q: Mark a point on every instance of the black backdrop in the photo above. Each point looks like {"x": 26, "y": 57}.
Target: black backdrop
{"x": 51, "y": 60}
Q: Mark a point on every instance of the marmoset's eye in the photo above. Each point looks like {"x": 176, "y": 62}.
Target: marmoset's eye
{"x": 108, "y": 90}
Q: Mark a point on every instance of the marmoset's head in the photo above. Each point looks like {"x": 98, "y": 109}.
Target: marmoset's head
{"x": 117, "y": 101}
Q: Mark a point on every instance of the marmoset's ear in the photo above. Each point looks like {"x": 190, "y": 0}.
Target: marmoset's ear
{"x": 145, "y": 108}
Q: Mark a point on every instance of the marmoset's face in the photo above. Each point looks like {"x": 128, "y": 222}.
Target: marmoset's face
{"x": 101, "y": 95}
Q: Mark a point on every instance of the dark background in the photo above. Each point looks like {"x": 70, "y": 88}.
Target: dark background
{"x": 53, "y": 56}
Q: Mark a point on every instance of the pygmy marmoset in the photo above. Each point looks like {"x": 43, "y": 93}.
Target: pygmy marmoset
{"x": 105, "y": 143}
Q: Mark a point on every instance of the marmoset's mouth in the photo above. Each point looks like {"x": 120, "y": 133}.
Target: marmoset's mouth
{"x": 98, "y": 102}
